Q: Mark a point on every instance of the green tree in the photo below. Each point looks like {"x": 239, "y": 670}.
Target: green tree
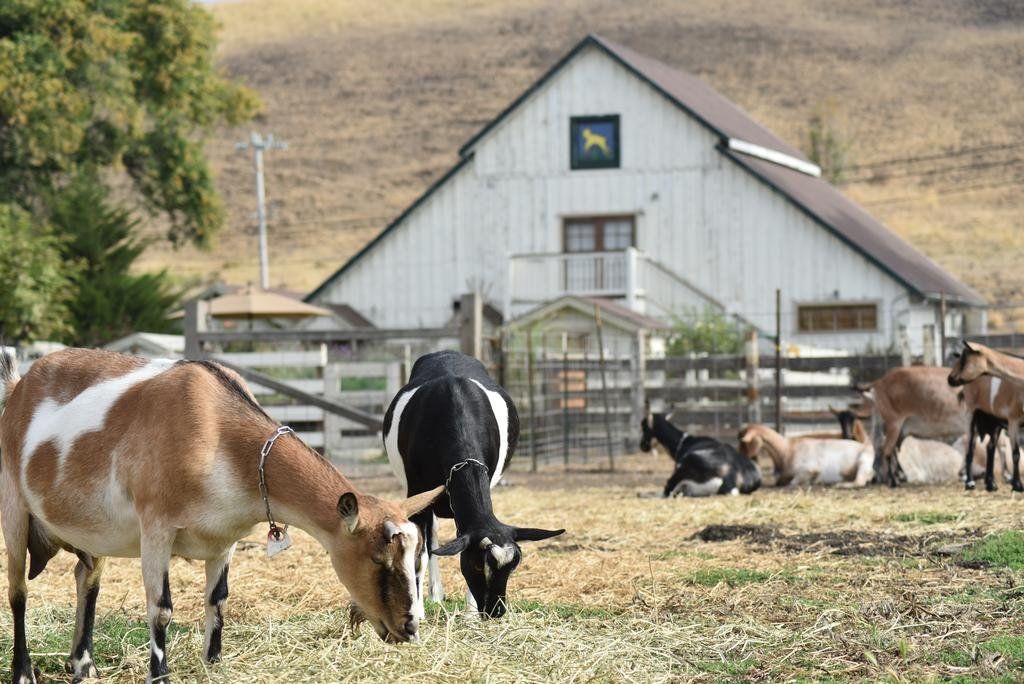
{"x": 826, "y": 145}
{"x": 114, "y": 88}
{"x": 704, "y": 331}
{"x": 110, "y": 301}
{"x": 36, "y": 283}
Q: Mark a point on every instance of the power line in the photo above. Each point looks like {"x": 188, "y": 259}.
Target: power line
{"x": 936, "y": 157}
{"x": 955, "y": 190}
{"x": 937, "y": 171}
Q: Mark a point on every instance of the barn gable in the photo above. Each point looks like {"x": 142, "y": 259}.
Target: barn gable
{"x": 716, "y": 201}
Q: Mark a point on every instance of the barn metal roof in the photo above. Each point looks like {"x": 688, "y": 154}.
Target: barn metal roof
{"x": 817, "y": 198}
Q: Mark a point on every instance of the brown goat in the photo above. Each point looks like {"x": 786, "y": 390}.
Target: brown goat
{"x": 918, "y": 393}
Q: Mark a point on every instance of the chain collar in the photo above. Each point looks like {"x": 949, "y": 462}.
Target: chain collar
{"x": 275, "y": 531}
{"x": 456, "y": 468}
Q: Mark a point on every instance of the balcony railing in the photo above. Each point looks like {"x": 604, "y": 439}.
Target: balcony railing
{"x": 538, "y": 278}
{"x": 643, "y": 283}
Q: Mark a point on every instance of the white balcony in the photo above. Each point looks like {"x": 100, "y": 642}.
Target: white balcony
{"x": 641, "y": 282}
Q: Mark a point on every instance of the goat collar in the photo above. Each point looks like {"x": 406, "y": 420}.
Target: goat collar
{"x": 456, "y": 468}
{"x": 275, "y": 531}
{"x": 459, "y": 466}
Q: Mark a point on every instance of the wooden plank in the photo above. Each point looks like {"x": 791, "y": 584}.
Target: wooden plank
{"x": 286, "y": 414}
{"x": 679, "y": 364}
{"x": 365, "y": 369}
{"x": 368, "y": 334}
{"x": 313, "y": 386}
{"x": 374, "y": 422}
{"x": 275, "y": 359}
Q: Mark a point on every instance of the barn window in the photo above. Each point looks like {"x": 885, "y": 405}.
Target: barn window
{"x": 599, "y": 234}
{"x": 594, "y": 142}
{"x": 837, "y": 317}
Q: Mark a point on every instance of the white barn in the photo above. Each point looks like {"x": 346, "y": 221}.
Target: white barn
{"x": 618, "y": 176}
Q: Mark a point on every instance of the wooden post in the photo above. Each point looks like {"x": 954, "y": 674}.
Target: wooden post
{"x": 471, "y": 324}
{"x": 753, "y": 362}
{"x": 639, "y": 375}
{"x": 928, "y": 345}
{"x": 904, "y": 341}
{"x": 565, "y": 398}
{"x": 194, "y": 323}
{"x": 406, "y": 363}
{"x": 529, "y": 391}
{"x": 604, "y": 389}
{"x": 778, "y": 360}
{"x": 942, "y": 328}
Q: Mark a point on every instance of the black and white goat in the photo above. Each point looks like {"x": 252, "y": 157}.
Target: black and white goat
{"x": 704, "y": 466}
{"x": 453, "y": 425}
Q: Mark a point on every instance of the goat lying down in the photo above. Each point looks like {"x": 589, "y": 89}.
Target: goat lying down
{"x": 704, "y": 466}
{"x": 802, "y": 461}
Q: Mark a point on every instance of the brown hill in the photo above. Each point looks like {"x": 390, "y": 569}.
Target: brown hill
{"x": 375, "y": 97}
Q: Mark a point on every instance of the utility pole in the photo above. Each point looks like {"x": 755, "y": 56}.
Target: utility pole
{"x": 259, "y": 144}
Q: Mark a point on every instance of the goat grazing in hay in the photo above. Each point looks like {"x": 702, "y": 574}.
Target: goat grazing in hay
{"x": 801, "y": 461}
{"x": 916, "y": 400}
{"x": 703, "y": 465}
{"x": 111, "y": 455}
{"x": 453, "y": 425}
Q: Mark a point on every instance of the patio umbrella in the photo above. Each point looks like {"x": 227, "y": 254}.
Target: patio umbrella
{"x": 253, "y": 302}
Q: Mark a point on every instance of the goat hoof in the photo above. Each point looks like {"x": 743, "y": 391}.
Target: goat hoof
{"x": 991, "y": 487}
{"x": 1018, "y": 486}
{"x": 969, "y": 486}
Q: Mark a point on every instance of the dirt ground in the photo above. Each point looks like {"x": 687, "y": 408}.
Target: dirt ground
{"x": 780, "y": 585}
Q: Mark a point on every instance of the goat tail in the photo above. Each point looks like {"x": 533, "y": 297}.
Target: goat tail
{"x": 8, "y": 376}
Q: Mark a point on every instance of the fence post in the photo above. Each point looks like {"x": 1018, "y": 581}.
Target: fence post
{"x": 565, "y": 398}
{"x": 753, "y": 363}
{"x": 194, "y": 323}
{"x": 928, "y": 344}
{"x": 942, "y": 328}
{"x": 529, "y": 399}
{"x": 471, "y": 324}
{"x": 639, "y": 375}
{"x": 778, "y": 360}
{"x": 604, "y": 389}
{"x": 334, "y": 442}
{"x": 905, "y": 355}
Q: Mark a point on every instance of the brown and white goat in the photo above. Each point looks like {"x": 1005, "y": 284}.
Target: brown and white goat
{"x": 996, "y": 401}
{"x": 111, "y": 455}
{"x": 801, "y": 461}
{"x": 917, "y": 398}
{"x": 976, "y": 360}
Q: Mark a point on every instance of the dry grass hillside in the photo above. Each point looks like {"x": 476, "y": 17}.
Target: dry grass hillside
{"x": 374, "y": 98}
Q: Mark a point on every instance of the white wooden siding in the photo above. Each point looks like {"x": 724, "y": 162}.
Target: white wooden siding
{"x": 702, "y": 215}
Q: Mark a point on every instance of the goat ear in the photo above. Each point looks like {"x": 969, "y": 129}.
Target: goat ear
{"x": 967, "y": 345}
{"x": 534, "y": 533}
{"x": 832, "y": 410}
{"x": 348, "y": 509}
{"x": 415, "y": 504}
{"x": 457, "y": 545}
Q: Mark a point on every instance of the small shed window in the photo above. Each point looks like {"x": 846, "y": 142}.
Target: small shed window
{"x": 837, "y": 317}
{"x": 594, "y": 142}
